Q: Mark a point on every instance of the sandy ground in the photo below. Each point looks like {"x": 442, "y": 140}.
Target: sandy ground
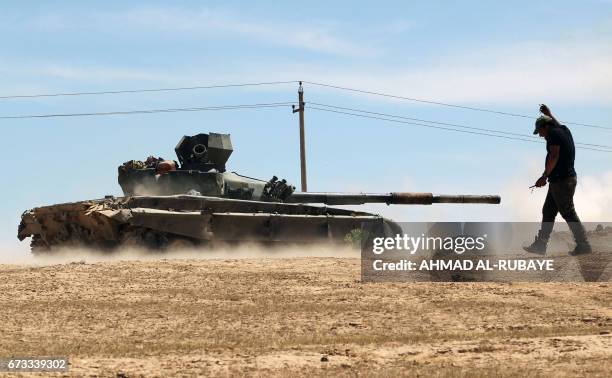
{"x": 296, "y": 316}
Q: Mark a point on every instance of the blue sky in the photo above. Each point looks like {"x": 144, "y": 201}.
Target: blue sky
{"x": 506, "y": 56}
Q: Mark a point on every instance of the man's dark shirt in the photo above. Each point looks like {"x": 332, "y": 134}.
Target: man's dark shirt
{"x": 561, "y": 136}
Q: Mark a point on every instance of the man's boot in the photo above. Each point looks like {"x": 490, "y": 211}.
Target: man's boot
{"x": 582, "y": 248}
{"x": 582, "y": 243}
{"x": 538, "y": 246}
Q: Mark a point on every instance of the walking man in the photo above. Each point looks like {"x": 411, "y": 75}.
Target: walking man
{"x": 561, "y": 176}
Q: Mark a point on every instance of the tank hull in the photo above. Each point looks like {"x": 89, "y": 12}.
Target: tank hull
{"x": 160, "y": 222}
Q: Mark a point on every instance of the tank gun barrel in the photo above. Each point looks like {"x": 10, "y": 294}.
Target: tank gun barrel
{"x": 397, "y": 198}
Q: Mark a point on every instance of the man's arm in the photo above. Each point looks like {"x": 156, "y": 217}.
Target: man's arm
{"x": 553, "y": 158}
{"x": 551, "y": 162}
{"x": 546, "y": 111}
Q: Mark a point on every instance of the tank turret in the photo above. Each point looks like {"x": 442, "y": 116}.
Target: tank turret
{"x": 202, "y": 171}
{"x": 204, "y": 152}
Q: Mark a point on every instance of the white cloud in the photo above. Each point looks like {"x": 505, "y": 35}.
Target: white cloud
{"x": 570, "y": 75}
{"x": 593, "y": 200}
{"x": 593, "y": 197}
{"x": 398, "y": 27}
{"x": 95, "y": 73}
{"x": 564, "y": 71}
{"x": 213, "y": 23}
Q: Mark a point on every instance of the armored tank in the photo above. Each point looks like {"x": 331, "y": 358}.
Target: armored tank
{"x": 195, "y": 201}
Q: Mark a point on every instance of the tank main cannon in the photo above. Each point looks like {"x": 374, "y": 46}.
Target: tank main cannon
{"x": 397, "y": 198}
{"x": 195, "y": 201}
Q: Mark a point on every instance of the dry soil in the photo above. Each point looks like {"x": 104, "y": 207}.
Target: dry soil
{"x": 296, "y": 316}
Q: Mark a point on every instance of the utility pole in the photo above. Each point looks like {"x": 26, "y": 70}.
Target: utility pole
{"x": 300, "y": 109}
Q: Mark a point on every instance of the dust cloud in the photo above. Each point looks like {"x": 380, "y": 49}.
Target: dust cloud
{"x": 219, "y": 252}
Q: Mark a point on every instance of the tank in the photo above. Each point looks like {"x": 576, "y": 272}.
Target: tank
{"x": 195, "y": 202}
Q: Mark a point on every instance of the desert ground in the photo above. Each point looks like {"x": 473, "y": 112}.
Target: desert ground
{"x": 272, "y": 315}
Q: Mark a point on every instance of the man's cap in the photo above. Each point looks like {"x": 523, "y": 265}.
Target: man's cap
{"x": 542, "y": 121}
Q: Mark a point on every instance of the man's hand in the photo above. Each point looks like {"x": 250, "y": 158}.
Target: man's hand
{"x": 544, "y": 110}
{"x": 541, "y": 182}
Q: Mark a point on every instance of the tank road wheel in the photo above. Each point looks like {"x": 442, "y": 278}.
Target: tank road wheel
{"x": 177, "y": 244}
{"x": 38, "y": 246}
{"x": 145, "y": 238}
{"x": 139, "y": 238}
{"x": 131, "y": 240}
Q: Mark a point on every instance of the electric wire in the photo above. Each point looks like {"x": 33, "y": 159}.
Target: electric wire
{"x": 151, "y": 111}
{"x": 444, "y": 104}
{"x": 447, "y": 124}
{"x": 328, "y": 108}
{"x": 89, "y": 93}
{"x": 441, "y": 127}
{"x": 145, "y": 90}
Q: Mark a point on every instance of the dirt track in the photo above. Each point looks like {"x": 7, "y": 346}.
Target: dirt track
{"x": 299, "y": 316}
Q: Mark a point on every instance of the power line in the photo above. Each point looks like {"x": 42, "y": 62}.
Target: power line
{"x": 444, "y": 104}
{"x": 144, "y": 90}
{"x": 60, "y": 94}
{"x": 447, "y": 124}
{"x": 150, "y": 111}
{"x": 419, "y": 124}
{"x": 440, "y": 127}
